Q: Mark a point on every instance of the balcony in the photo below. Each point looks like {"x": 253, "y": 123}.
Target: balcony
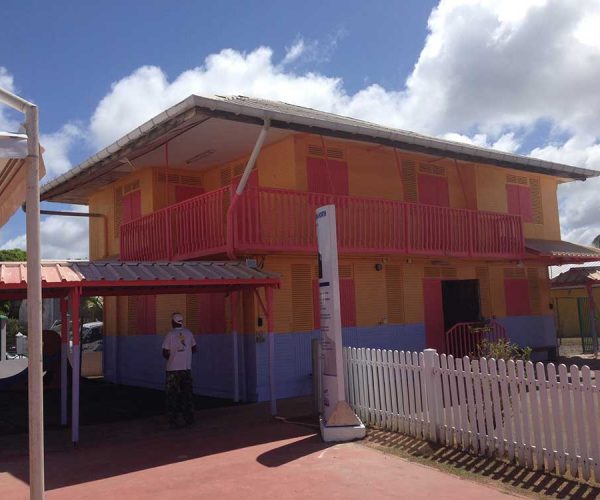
{"x": 276, "y": 220}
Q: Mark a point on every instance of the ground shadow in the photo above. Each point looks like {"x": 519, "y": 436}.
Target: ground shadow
{"x": 461, "y": 462}
{"x": 119, "y": 442}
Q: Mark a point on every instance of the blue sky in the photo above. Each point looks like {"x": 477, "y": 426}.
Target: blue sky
{"x": 516, "y": 75}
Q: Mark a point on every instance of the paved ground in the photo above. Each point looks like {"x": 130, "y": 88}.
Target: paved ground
{"x": 236, "y": 452}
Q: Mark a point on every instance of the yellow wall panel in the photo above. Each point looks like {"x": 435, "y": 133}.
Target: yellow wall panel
{"x": 370, "y": 290}
{"x": 282, "y": 298}
{"x": 373, "y": 172}
{"x": 497, "y": 291}
{"x": 166, "y": 305}
{"x": 276, "y": 165}
{"x": 413, "y": 292}
{"x": 550, "y": 208}
{"x": 491, "y": 189}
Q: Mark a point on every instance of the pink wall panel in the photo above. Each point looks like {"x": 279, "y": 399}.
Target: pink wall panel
{"x": 433, "y": 190}
{"x": 329, "y": 176}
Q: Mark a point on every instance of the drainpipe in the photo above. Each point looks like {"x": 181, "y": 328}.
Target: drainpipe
{"x": 34, "y": 294}
{"x": 241, "y": 186}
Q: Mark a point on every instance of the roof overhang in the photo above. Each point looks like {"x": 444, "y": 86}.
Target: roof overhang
{"x": 109, "y": 278}
{"x": 200, "y": 117}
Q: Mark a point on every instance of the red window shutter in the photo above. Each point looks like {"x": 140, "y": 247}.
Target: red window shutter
{"x": 329, "y": 177}
{"x": 146, "y": 314}
{"x": 131, "y": 206}
{"x": 347, "y": 303}
{"x": 519, "y": 201}
{"x": 516, "y": 293}
{"x": 433, "y": 190}
{"x": 211, "y": 313}
{"x": 183, "y": 193}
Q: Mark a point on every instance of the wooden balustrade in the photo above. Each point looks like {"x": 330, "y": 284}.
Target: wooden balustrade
{"x": 267, "y": 219}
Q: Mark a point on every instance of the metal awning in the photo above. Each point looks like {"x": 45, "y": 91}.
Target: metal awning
{"x": 561, "y": 252}
{"x": 134, "y": 278}
{"x": 577, "y": 276}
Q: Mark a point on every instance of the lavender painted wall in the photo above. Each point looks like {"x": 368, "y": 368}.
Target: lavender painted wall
{"x": 293, "y": 357}
{"x": 531, "y": 331}
{"x": 137, "y": 360}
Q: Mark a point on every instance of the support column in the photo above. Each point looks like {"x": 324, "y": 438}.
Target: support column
{"x": 236, "y": 372}
{"x": 592, "y": 307}
{"x": 75, "y": 364}
{"x": 269, "y": 292}
{"x": 64, "y": 359}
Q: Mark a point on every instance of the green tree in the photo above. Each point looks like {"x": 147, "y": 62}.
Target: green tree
{"x": 13, "y": 255}
{"x": 596, "y": 241}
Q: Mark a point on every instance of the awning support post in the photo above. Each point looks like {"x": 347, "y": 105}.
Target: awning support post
{"x": 271, "y": 335}
{"x": 236, "y": 374}
{"x": 592, "y": 307}
{"x": 74, "y": 299}
{"x": 64, "y": 359}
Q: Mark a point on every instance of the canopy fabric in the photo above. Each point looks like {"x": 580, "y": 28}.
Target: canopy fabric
{"x": 13, "y": 173}
{"x": 561, "y": 252}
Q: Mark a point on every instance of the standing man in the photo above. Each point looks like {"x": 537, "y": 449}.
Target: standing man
{"x": 177, "y": 348}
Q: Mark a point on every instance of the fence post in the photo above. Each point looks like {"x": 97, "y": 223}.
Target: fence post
{"x": 431, "y": 365}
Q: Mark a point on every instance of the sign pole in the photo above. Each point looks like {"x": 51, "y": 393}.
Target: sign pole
{"x": 338, "y": 421}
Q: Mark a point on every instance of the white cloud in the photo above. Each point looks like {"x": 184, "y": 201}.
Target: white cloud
{"x": 57, "y": 147}
{"x": 61, "y": 237}
{"x": 488, "y": 74}
{"x": 8, "y": 120}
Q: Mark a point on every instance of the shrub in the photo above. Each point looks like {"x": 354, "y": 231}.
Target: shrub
{"x": 503, "y": 349}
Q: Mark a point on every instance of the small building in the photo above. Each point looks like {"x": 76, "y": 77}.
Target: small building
{"x": 575, "y": 294}
{"x": 433, "y": 235}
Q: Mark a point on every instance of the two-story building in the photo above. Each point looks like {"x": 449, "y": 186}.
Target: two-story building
{"x": 432, "y": 235}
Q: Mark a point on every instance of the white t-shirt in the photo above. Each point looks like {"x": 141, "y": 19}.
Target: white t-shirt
{"x": 179, "y": 343}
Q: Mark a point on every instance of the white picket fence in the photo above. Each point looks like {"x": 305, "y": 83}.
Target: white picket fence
{"x": 530, "y": 414}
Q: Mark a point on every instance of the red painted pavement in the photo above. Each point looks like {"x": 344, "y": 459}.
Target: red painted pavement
{"x": 224, "y": 456}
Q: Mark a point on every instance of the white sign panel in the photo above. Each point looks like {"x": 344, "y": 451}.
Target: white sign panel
{"x": 331, "y": 322}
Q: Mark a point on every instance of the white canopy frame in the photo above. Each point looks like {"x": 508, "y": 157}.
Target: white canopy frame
{"x": 34, "y": 292}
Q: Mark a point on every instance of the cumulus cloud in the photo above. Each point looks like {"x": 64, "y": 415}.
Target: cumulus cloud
{"x": 489, "y": 74}
{"x": 8, "y": 119}
{"x": 57, "y": 146}
{"x": 60, "y": 237}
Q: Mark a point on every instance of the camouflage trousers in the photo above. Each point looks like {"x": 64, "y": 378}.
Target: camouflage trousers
{"x": 178, "y": 389}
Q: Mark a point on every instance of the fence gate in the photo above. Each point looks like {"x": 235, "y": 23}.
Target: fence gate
{"x": 585, "y": 325}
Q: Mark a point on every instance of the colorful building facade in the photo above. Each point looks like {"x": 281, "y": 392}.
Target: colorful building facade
{"x": 431, "y": 235}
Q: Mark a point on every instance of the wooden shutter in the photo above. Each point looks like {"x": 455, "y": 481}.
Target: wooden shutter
{"x": 330, "y": 177}
{"x": 534, "y": 290}
{"x": 409, "y": 180}
{"x": 433, "y": 190}
{"x": 118, "y": 207}
{"x": 211, "y": 313}
{"x": 536, "y": 201}
{"x": 145, "y": 314}
{"x": 302, "y": 297}
{"x": 519, "y": 201}
{"x": 183, "y": 193}
{"x": 516, "y": 294}
{"x": 395, "y": 298}
{"x": 131, "y": 206}
{"x": 192, "y": 314}
{"x": 132, "y": 314}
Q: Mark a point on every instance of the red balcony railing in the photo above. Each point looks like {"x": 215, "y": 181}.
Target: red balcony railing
{"x": 268, "y": 219}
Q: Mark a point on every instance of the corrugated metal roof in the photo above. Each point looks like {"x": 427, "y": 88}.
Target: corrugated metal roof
{"x": 577, "y": 276}
{"x": 82, "y": 273}
{"x": 297, "y": 118}
{"x": 562, "y": 249}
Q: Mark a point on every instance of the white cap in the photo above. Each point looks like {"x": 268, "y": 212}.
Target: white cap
{"x": 177, "y": 319}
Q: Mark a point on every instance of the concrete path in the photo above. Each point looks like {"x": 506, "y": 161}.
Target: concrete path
{"x": 226, "y": 455}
